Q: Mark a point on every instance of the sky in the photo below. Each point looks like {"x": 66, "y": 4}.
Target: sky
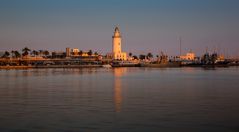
{"x": 145, "y": 25}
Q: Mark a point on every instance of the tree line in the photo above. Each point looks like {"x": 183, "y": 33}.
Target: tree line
{"x": 25, "y": 51}
{"x": 142, "y": 56}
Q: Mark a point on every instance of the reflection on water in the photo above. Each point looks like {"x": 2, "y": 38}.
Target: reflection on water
{"x": 118, "y": 72}
{"x": 119, "y": 99}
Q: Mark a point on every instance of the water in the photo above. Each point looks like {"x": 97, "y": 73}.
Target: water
{"x": 120, "y": 99}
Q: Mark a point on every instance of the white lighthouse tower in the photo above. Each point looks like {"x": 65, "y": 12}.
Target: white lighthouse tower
{"x": 116, "y": 46}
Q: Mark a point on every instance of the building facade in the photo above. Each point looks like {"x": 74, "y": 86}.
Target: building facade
{"x": 75, "y": 51}
{"x": 189, "y": 56}
{"x": 116, "y": 46}
{"x": 68, "y": 52}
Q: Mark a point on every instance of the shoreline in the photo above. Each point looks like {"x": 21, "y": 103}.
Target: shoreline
{"x": 100, "y": 66}
{"x": 50, "y": 66}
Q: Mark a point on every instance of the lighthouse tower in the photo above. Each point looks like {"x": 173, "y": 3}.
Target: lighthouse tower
{"x": 116, "y": 46}
{"x": 116, "y": 38}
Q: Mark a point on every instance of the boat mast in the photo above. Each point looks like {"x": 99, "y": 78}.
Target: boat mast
{"x": 180, "y": 46}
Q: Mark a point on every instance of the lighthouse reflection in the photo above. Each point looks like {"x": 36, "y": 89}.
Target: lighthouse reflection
{"x": 118, "y": 73}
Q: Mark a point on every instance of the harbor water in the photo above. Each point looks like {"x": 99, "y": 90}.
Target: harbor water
{"x": 119, "y": 99}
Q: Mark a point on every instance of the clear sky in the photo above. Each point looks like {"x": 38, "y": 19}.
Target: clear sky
{"x": 146, "y": 25}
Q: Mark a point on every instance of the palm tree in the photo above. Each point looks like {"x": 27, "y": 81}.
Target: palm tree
{"x": 40, "y": 52}
{"x": 37, "y": 53}
{"x": 96, "y": 53}
{"x": 141, "y": 57}
{"x": 34, "y": 52}
{"x": 80, "y": 53}
{"x": 17, "y": 54}
{"x": 12, "y": 52}
{"x": 135, "y": 57}
{"x": 25, "y": 51}
{"x": 157, "y": 57}
{"x": 149, "y": 55}
{"x": 130, "y": 54}
{"x": 6, "y": 54}
{"x": 46, "y": 53}
{"x": 90, "y": 52}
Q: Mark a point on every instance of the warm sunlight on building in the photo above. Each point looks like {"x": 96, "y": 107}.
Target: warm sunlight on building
{"x": 116, "y": 46}
{"x": 68, "y": 52}
{"x": 189, "y": 56}
{"x": 75, "y": 51}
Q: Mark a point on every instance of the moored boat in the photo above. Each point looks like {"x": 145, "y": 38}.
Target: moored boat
{"x": 107, "y": 66}
{"x": 167, "y": 64}
{"x": 125, "y": 64}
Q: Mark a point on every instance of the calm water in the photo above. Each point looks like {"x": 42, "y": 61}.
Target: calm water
{"x": 121, "y": 99}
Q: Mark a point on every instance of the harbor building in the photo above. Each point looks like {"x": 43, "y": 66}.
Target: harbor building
{"x": 116, "y": 46}
{"x": 189, "y": 56}
{"x": 75, "y": 51}
{"x": 68, "y": 52}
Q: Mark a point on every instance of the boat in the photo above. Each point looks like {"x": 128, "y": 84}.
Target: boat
{"x": 162, "y": 61}
{"x": 107, "y": 66}
{"x": 125, "y": 64}
{"x": 161, "y": 65}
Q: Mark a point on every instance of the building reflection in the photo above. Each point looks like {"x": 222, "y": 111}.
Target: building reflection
{"x": 118, "y": 73}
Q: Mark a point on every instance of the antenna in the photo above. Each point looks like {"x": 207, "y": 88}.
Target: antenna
{"x": 219, "y": 49}
{"x": 214, "y": 49}
{"x": 180, "y": 45}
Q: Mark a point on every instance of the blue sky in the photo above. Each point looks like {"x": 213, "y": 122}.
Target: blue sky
{"x": 146, "y": 25}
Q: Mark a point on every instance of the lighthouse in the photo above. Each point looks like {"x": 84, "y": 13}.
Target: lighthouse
{"x": 116, "y": 46}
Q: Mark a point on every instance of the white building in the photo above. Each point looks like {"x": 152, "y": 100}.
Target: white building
{"x": 75, "y": 51}
{"x": 116, "y": 46}
{"x": 189, "y": 56}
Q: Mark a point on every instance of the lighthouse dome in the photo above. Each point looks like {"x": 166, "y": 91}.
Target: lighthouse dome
{"x": 117, "y": 32}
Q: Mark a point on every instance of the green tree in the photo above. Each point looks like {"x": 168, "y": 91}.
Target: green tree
{"x": 135, "y": 57}
{"x": 90, "y": 53}
{"x": 96, "y": 53}
{"x": 141, "y": 57}
{"x": 17, "y": 54}
{"x": 40, "y": 52}
{"x": 46, "y": 52}
{"x": 80, "y": 52}
{"x": 6, "y": 54}
{"x": 149, "y": 55}
{"x": 25, "y": 51}
{"x": 130, "y": 54}
{"x": 12, "y": 52}
{"x": 34, "y": 52}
